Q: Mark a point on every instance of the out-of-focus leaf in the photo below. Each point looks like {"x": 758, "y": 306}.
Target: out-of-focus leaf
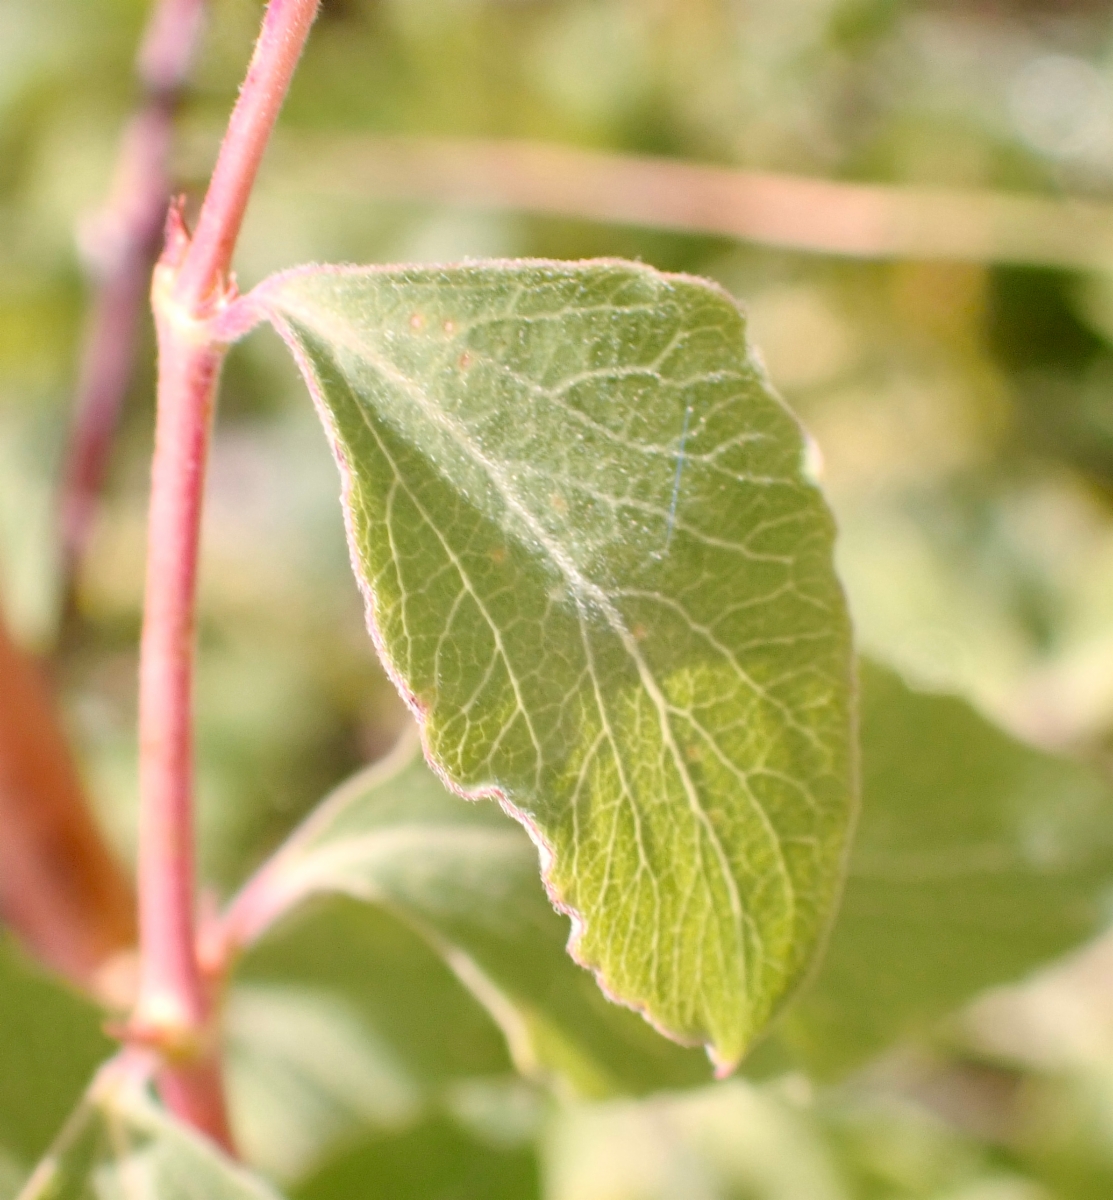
{"x": 50, "y": 1045}
{"x": 120, "y": 1144}
{"x": 12, "y": 1175}
{"x": 596, "y": 566}
{"x": 740, "y": 1142}
{"x": 388, "y": 978}
{"x": 990, "y": 582}
{"x": 725, "y": 1142}
{"x": 466, "y": 877}
{"x": 1064, "y": 1136}
{"x": 887, "y": 1145}
{"x": 436, "y": 1161}
{"x": 305, "y": 1072}
{"x": 976, "y": 859}
{"x": 345, "y": 978}
{"x": 504, "y": 1112}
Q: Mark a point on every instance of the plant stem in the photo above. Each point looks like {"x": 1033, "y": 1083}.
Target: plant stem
{"x": 189, "y": 292}
{"x": 174, "y": 1008}
{"x": 172, "y": 997}
{"x": 122, "y": 245}
{"x": 285, "y": 28}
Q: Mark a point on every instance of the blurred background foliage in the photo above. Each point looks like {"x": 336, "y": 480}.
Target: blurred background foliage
{"x": 964, "y": 414}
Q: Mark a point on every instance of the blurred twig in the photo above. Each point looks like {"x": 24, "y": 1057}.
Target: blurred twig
{"x": 60, "y": 888}
{"x": 872, "y": 221}
{"x": 121, "y": 244}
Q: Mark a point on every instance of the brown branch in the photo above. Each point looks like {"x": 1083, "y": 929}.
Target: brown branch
{"x": 60, "y": 889}
{"x": 122, "y": 245}
{"x": 874, "y": 221}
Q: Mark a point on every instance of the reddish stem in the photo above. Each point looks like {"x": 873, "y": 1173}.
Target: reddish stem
{"x": 189, "y": 292}
{"x": 123, "y": 245}
{"x": 194, "y": 1092}
{"x": 172, "y": 996}
{"x": 174, "y": 1008}
{"x": 285, "y": 28}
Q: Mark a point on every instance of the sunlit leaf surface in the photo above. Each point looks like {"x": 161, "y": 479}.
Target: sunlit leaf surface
{"x": 596, "y": 567}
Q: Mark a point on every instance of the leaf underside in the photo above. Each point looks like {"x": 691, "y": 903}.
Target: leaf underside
{"x": 596, "y": 568}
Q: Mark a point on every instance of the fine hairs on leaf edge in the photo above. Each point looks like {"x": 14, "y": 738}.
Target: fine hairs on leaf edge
{"x": 257, "y": 306}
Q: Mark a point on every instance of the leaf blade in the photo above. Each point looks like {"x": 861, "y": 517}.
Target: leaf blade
{"x": 596, "y": 568}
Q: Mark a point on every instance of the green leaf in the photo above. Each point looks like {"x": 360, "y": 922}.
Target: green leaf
{"x": 976, "y": 860}
{"x": 890, "y": 1145}
{"x": 597, "y": 569}
{"x": 339, "y": 977}
{"x": 389, "y": 976}
{"x": 466, "y": 878}
{"x": 50, "y": 1045}
{"x": 436, "y": 1161}
{"x": 731, "y": 1141}
{"x": 120, "y": 1143}
{"x": 12, "y": 1175}
{"x": 306, "y": 1073}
